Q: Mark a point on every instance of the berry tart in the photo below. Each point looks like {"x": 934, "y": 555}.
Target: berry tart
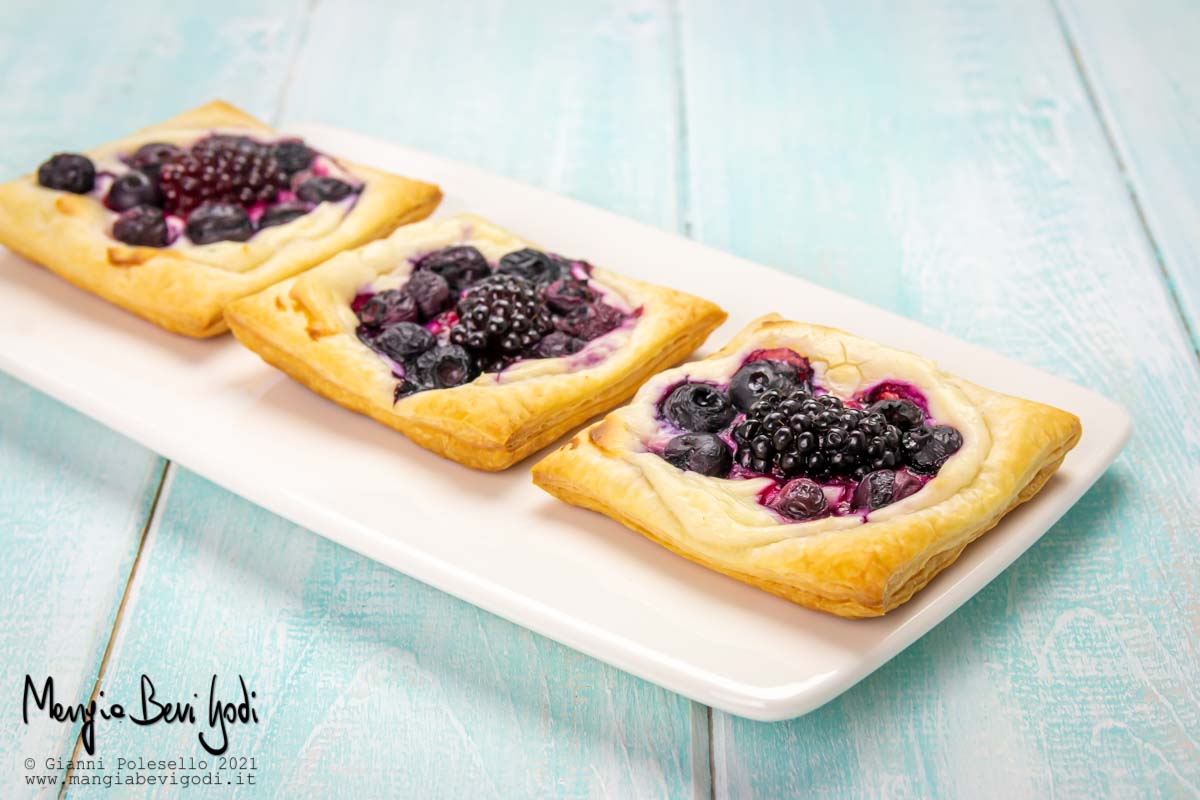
{"x": 835, "y": 472}
{"x": 178, "y": 220}
{"x": 469, "y": 340}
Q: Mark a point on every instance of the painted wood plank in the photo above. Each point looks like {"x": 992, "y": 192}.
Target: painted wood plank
{"x": 372, "y": 683}
{"x": 1140, "y": 62}
{"x": 74, "y": 499}
{"x": 944, "y": 161}
{"x": 369, "y": 683}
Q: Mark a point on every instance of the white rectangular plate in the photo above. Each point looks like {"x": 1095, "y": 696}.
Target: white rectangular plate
{"x": 494, "y": 539}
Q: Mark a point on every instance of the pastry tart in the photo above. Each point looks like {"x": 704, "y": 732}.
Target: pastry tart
{"x": 835, "y": 472}
{"x": 469, "y": 340}
{"x": 178, "y": 220}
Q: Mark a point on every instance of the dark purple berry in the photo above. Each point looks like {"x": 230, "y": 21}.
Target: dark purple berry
{"x": 142, "y": 226}
{"x": 221, "y": 169}
{"x": 800, "y": 499}
{"x": 532, "y": 265}
{"x": 904, "y": 414}
{"x": 149, "y": 158}
{"x": 567, "y": 294}
{"x": 219, "y": 222}
{"x": 502, "y": 316}
{"x": 699, "y": 452}
{"x": 557, "y": 344}
{"x": 292, "y": 156}
{"x": 403, "y": 341}
{"x": 134, "y": 188}
{"x": 68, "y": 172}
{"x": 756, "y": 377}
{"x": 876, "y": 490}
{"x": 430, "y": 291}
{"x": 926, "y": 448}
{"x": 385, "y": 309}
{"x": 460, "y": 266}
{"x": 697, "y": 407}
{"x": 324, "y": 189}
{"x": 591, "y": 321}
{"x": 445, "y": 366}
{"x": 281, "y": 214}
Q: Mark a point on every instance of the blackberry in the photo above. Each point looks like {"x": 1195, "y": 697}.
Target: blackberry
{"x": 221, "y": 169}
{"x": 697, "y": 407}
{"x": 797, "y": 434}
{"x": 142, "y": 226}
{"x": 704, "y": 453}
{"x": 501, "y": 316}
{"x": 134, "y": 188}
{"x": 532, "y": 265}
{"x": 460, "y": 266}
{"x": 68, "y": 172}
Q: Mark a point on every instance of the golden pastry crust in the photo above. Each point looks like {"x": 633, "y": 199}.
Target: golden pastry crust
{"x": 305, "y": 327}
{"x": 841, "y": 565}
{"x": 184, "y": 288}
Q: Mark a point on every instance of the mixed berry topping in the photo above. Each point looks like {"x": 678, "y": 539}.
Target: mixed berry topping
{"x": 457, "y": 316}
{"x": 221, "y": 188}
{"x": 825, "y": 455}
{"x": 68, "y": 172}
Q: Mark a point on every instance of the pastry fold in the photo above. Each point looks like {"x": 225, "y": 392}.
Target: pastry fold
{"x": 185, "y": 287}
{"x": 848, "y": 565}
{"x": 305, "y": 327}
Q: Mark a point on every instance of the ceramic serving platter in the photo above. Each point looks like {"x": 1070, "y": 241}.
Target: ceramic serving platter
{"x": 494, "y": 539}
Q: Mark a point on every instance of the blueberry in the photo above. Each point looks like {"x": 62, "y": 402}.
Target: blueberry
{"x": 567, "y": 294}
{"x": 150, "y": 157}
{"x": 403, "y": 341}
{"x": 430, "y": 291}
{"x": 445, "y": 366}
{"x": 532, "y": 265}
{"x": 134, "y": 188}
{"x": 219, "y": 222}
{"x": 756, "y": 377}
{"x": 800, "y": 498}
{"x": 460, "y": 266}
{"x": 143, "y": 226}
{"x": 907, "y": 483}
{"x": 292, "y": 156}
{"x": 385, "y": 309}
{"x": 698, "y": 407}
{"x": 904, "y": 414}
{"x": 699, "y": 452}
{"x": 281, "y": 214}
{"x": 590, "y": 321}
{"x": 68, "y": 172}
{"x": 876, "y": 490}
{"x": 557, "y": 344}
{"x": 324, "y": 188}
{"x": 927, "y": 448}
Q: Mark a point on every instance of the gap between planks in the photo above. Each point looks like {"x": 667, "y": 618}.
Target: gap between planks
{"x": 1110, "y": 138}
{"x": 165, "y": 479}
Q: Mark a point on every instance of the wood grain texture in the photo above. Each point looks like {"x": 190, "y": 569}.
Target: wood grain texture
{"x": 369, "y": 683}
{"x": 374, "y": 683}
{"x": 74, "y": 499}
{"x": 1140, "y": 62}
{"x": 946, "y": 163}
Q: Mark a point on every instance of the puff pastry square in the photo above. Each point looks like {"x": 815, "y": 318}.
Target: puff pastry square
{"x": 859, "y": 563}
{"x": 307, "y": 326}
{"x": 185, "y": 287}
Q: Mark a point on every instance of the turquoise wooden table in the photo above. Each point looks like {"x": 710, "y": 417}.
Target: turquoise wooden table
{"x": 1022, "y": 174}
